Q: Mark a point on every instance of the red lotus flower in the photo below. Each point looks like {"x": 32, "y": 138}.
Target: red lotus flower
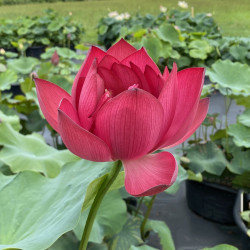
{"x": 123, "y": 108}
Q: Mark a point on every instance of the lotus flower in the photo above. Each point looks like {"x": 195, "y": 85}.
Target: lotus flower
{"x": 122, "y": 108}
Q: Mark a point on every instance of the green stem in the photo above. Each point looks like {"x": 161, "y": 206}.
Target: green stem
{"x": 97, "y": 202}
{"x": 139, "y": 206}
{"x": 146, "y": 217}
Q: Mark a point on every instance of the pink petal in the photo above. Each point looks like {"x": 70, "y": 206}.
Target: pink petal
{"x": 49, "y": 97}
{"x": 91, "y": 93}
{"x": 107, "y": 62}
{"x": 130, "y": 123}
{"x": 168, "y": 98}
{"x": 141, "y": 59}
{"x": 78, "y": 140}
{"x": 166, "y": 73}
{"x": 94, "y": 53}
{"x": 199, "y": 118}
{"x": 111, "y": 81}
{"x": 150, "y": 174}
{"x": 190, "y": 83}
{"x": 140, "y": 75}
{"x": 126, "y": 74}
{"x": 121, "y": 50}
{"x": 154, "y": 80}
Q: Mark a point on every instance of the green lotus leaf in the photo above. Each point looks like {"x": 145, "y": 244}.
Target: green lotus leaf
{"x": 230, "y": 75}
{"x": 168, "y": 33}
{"x": 66, "y": 242}
{"x": 7, "y": 78}
{"x": 244, "y": 118}
{"x": 245, "y": 215}
{"x": 197, "y": 53}
{"x": 23, "y": 65}
{"x": 153, "y": 46}
{"x": 240, "y": 134}
{"x": 242, "y": 100}
{"x": 128, "y": 236}
{"x": 238, "y": 52}
{"x": 144, "y": 247}
{"x": 161, "y": 228}
{"x": 112, "y": 210}
{"x": 13, "y": 120}
{"x": 36, "y": 211}
{"x": 206, "y": 157}
{"x": 222, "y": 247}
{"x": 30, "y": 152}
{"x": 240, "y": 162}
{"x": 2, "y": 68}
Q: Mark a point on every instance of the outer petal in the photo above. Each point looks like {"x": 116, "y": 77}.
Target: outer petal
{"x": 49, "y": 97}
{"x": 130, "y": 123}
{"x": 94, "y": 53}
{"x": 121, "y": 50}
{"x": 199, "y": 118}
{"x": 189, "y": 88}
{"x": 168, "y": 98}
{"x": 150, "y": 174}
{"x": 78, "y": 140}
{"x": 91, "y": 93}
{"x": 107, "y": 62}
{"x": 141, "y": 59}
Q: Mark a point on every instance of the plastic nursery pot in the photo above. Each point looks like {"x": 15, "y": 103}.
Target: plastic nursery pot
{"x": 35, "y": 51}
{"x": 211, "y": 201}
{"x": 242, "y": 203}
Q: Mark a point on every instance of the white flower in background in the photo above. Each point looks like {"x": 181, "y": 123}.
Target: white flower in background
{"x": 119, "y": 17}
{"x": 183, "y": 4}
{"x": 209, "y": 14}
{"x": 2, "y": 51}
{"x": 70, "y": 13}
{"x": 163, "y": 9}
{"x": 126, "y": 15}
{"x": 113, "y": 14}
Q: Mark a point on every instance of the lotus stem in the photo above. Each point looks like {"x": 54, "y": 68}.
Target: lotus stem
{"x": 97, "y": 202}
{"x": 144, "y": 222}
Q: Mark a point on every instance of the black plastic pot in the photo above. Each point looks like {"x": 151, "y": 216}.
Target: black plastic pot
{"x": 242, "y": 200}
{"x": 35, "y": 51}
{"x": 211, "y": 201}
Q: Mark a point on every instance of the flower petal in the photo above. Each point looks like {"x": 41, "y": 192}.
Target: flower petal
{"x": 141, "y": 59}
{"x": 78, "y": 140}
{"x": 107, "y": 61}
{"x": 199, "y": 118}
{"x": 154, "y": 80}
{"x": 130, "y": 123}
{"x": 168, "y": 98}
{"x": 121, "y": 50}
{"x": 91, "y": 93}
{"x": 94, "y": 53}
{"x": 111, "y": 81}
{"x": 190, "y": 83}
{"x": 126, "y": 74}
{"x": 49, "y": 97}
{"x": 150, "y": 174}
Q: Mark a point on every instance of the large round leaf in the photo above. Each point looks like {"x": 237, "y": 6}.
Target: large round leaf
{"x": 241, "y": 134}
{"x": 207, "y": 157}
{"x": 23, "y": 65}
{"x": 36, "y": 211}
{"x": 6, "y": 79}
{"x": 30, "y": 152}
{"x": 153, "y": 46}
{"x": 168, "y": 33}
{"x": 13, "y": 120}
{"x": 235, "y": 76}
{"x": 244, "y": 118}
{"x": 240, "y": 162}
